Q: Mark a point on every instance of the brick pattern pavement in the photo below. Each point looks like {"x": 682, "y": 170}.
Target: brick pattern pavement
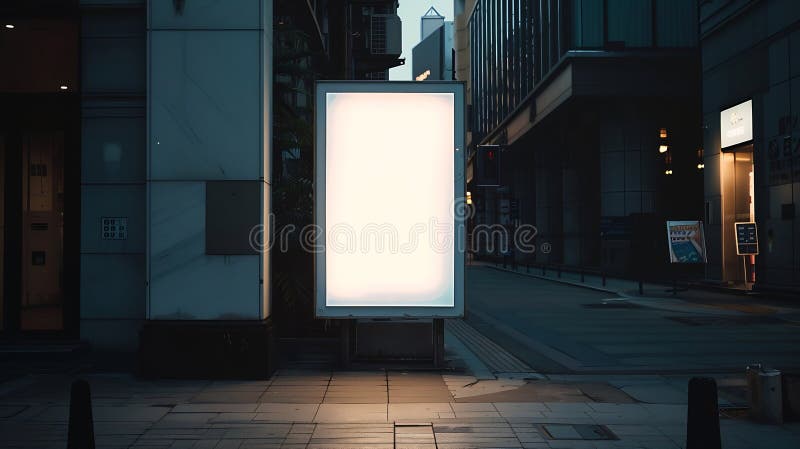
{"x": 339, "y": 410}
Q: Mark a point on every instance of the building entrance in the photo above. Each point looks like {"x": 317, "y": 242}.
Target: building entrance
{"x": 738, "y": 206}
{"x": 40, "y": 158}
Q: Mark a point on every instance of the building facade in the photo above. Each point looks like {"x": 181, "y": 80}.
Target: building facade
{"x": 136, "y": 146}
{"x": 751, "y": 63}
{"x": 593, "y": 107}
{"x": 432, "y": 58}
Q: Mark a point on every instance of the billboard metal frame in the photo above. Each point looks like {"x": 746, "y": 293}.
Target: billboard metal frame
{"x": 322, "y": 88}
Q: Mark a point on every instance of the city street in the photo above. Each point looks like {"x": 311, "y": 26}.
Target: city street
{"x": 536, "y": 364}
{"x": 559, "y": 328}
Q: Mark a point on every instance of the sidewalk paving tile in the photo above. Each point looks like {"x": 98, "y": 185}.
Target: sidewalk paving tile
{"x": 351, "y": 412}
{"x": 417, "y": 411}
{"x": 172, "y": 419}
{"x": 233, "y": 418}
{"x": 286, "y": 412}
{"x": 233, "y": 385}
{"x": 473, "y": 407}
{"x": 625, "y": 430}
{"x": 568, "y": 408}
{"x": 215, "y": 408}
{"x": 227, "y": 396}
{"x": 520, "y": 410}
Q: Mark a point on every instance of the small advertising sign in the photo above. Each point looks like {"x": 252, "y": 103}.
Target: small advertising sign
{"x": 687, "y": 243}
{"x": 746, "y": 238}
{"x": 736, "y": 124}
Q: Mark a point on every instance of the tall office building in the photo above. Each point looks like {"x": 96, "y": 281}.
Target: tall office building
{"x": 751, "y": 68}
{"x": 593, "y": 107}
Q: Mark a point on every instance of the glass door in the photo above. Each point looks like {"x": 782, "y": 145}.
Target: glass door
{"x": 42, "y": 232}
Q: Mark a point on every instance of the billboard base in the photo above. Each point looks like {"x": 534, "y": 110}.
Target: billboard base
{"x": 395, "y": 340}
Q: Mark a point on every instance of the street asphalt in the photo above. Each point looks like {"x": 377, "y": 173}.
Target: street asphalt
{"x": 560, "y": 328}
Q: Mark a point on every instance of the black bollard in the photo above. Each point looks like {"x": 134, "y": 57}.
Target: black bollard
{"x": 80, "y": 434}
{"x": 702, "y": 420}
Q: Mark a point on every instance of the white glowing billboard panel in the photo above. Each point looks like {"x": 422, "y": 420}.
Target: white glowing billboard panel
{"x": 389, "y": 183}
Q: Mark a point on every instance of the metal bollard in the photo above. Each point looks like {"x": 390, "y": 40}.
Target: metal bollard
{"x": 80, "y": 433}
{"x": 702, "y": 417}
{"x": 765, "y": 394}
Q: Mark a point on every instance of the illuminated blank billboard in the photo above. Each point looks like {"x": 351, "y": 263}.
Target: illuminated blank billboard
{"x": 389, "y": 197}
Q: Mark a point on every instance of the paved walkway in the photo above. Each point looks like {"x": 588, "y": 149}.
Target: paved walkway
{"x": 378, "y": 409}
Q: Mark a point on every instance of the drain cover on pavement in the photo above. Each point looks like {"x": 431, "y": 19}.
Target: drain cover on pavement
{"x": 576, "y": 432}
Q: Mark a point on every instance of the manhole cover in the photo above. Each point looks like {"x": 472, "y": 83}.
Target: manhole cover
{"x": 612, "y": 305}
{"x": 576, "y": 432}
{"x": 724, "y": 320}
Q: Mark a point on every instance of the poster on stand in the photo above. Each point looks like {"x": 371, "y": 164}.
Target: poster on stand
{"x": 687, "y": 243}
{"x": 746, "y": 238}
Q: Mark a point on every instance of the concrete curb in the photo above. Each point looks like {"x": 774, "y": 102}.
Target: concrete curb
{"x": 563, "y": 281}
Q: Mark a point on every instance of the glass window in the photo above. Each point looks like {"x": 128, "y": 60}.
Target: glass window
{"x": 587, "y": 24}
{"x": 630, "y": 22}
{"x": 673, "y": 27}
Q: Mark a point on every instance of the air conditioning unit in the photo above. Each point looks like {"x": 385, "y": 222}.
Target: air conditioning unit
{"x": 385, "y": 34}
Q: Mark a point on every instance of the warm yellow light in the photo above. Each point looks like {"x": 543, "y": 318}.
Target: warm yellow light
{"x": 389, "y": 164}
{"x": 668, "y": 172}
{"x": 701, "y": 166}
{"x": 662, "y": 133}
{"x": 663, "y": 148}
{"x": 469, "y": 198}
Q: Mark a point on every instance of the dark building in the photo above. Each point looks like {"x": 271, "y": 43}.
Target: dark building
{"x": 432, "y": 57}
{"x": 364, "y": 36}
{"x": 751, "y": 105}
{"x": 594, "y": 106}
{"x": 137, "y": 141}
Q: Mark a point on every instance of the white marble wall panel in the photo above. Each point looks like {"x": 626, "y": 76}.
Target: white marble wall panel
{"x": 205, "y": 105}
{"x": 185, "y": 283}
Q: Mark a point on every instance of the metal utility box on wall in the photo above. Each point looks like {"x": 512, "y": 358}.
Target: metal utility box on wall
{"x": 390, "y": 199}
{"x": 232, "y": 216}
